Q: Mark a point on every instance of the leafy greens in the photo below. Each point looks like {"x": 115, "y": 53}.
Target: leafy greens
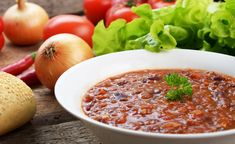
{"x": 190, "y": 24}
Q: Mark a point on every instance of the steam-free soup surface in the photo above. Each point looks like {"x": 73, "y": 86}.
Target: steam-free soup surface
{"x": 137, "y": 101}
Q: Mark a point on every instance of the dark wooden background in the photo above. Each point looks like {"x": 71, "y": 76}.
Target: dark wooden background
{"x": 53, "y": 7}
{"x": 51, "y": 124}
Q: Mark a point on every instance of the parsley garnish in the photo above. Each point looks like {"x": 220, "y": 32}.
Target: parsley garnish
{"x": 180, "y": 87}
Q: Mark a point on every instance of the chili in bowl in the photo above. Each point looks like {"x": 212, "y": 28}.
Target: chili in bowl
{"x": 137, "y": 97}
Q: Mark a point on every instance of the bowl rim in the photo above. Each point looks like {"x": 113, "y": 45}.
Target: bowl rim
{"x": 85, "y": 118}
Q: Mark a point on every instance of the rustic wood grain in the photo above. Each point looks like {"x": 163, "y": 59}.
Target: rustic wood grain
{"x": 11, "y": 53}
{"x": 53, "y": 7}
{"x": 64, "y": 133}
{"x": 48, "y": 110}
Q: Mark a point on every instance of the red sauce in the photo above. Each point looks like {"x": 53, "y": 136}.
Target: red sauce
{"x": 136, "y": 101}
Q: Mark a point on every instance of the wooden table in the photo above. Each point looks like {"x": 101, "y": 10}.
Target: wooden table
{"x": 53, "y": 7}
{"x": 51, "y": 124}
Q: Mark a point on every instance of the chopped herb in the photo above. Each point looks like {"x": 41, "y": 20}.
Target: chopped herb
{"x": 180, "y": 87}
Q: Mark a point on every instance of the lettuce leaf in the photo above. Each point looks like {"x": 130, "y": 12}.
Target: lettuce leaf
{"x": 230, "y": 6}
{"x": 219, "y": 31}
{"x": 190, "y": 24}
{"x": 141, "y": 33}
{"x": 104, "y": 40}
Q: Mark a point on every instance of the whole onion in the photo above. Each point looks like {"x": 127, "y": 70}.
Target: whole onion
{"x": 24, "y": 23}
{"x": 57, "y": 54}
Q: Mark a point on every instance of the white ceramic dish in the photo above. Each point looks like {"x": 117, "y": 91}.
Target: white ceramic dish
{"x": 73, "y": 84}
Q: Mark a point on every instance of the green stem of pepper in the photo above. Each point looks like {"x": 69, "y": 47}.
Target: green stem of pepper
{"x": 130, "y": 3}
{"x": 168, "y": 0}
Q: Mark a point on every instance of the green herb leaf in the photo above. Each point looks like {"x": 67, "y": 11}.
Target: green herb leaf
{"x": 180, "y": 87}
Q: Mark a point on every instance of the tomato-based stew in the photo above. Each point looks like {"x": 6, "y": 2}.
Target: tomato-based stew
{"x": 137, "y": 101}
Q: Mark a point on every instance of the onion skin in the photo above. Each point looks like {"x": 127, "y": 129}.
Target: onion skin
{"x": 68, "y": 50}
{"x": 23, "y": 25}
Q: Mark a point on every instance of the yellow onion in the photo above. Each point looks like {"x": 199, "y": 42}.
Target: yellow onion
{"x": 57, "y": 54}
{"x": 24, "y": 23}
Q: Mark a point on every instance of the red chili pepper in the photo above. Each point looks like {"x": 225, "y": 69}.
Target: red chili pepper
{"x": 2, "y": 40}
{"x": 21, "y": 65}
{"x": 29, "y": 77}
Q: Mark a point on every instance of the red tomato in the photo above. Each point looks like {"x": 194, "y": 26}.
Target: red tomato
{"x": 72, "y": 24}
{"x": 160, "y": 3}
{"x": 122, "y": 9}
{"x": 1, "y": 25}
{"x": 120, "y": 12}
{"x": 2, "y": 41}
{"x": 95, "y": 10}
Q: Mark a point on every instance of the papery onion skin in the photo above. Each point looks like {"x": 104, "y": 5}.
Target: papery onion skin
{"x": 68, "y": 51}
{"x": 24, "y": 26}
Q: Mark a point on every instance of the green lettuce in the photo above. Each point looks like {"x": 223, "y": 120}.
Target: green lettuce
{"x": 219, "y": 31}
{"x": 141, "y": 33}
{"x": 190, "y": 24}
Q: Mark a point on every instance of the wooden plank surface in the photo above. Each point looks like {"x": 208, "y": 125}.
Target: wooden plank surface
{"x": 65, "y": 133}
{"x": 51, "y": 124}
{"x": 53, "y": 7}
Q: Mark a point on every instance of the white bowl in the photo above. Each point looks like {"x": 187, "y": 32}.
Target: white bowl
{"x": 74, "y": 83}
